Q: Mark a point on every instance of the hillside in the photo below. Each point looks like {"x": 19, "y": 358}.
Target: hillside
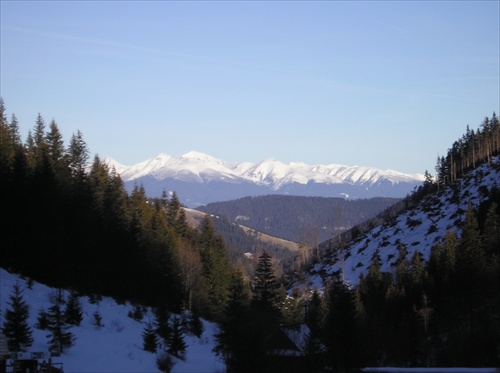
{"x": 245, "y": 244}
{"x": 194, "y": 217}
{"x": 310, "y": 220}
{"x": 117, "y": 345}
{"x": 417, "y": 229}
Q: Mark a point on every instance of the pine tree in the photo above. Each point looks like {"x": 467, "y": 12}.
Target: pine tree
{"x": 149, "y": 338}
{"x": 14, "y": 130}
{"x": 60, "y": 338}
{"x": 265, "y": 291}
{"x": 491, "y": 232}
{"x": 162, "y": 326}
{"x": 78, "y": 155}
{"x": 15, "y": 327}
{"x": 194, "y": 324}
{"x": 217, "y": 269}
{"x": 42, "y": 320}
{"x": 316, "y": 313}
{"x": 73, "y": 311}
{"x": 177, "y": 346}
{"x": 340, "y": 330}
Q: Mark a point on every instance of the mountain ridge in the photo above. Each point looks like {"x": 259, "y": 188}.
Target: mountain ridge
{"x": 270, "y": 176}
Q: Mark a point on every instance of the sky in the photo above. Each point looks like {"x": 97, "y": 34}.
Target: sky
{"x": 386, "y": 84}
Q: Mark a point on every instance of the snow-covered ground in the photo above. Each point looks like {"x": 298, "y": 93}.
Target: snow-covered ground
{"x": 117, "y": 346}
{"x": 417, "y": 229}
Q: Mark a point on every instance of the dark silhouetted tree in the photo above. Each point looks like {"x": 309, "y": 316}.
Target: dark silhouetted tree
{"x": 15, "y": 326}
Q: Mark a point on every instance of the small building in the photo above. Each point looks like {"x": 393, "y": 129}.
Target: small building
{"x": 292, "y": 350}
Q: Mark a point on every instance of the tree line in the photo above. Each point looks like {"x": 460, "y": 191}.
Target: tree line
{"x": 473, "y": 148}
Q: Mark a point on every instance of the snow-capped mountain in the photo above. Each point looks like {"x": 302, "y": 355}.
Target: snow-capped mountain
{"x": 200, "y": 178}
{"x": 419, "y": 228}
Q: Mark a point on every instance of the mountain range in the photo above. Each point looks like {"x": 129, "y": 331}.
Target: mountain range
{"x": 199, "y": 179}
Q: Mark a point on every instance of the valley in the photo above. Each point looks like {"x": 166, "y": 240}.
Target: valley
{"x": 394, "y": 282}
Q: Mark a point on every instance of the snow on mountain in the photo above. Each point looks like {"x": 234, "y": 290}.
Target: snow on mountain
{"x": 192, "y": 166}
{"x": 268, "y": 172}
{"x": 266, "y": 177}
{"x": 417, "y": 229}
{"x": 120, "y": 168}
{"x": 117, "y": 346}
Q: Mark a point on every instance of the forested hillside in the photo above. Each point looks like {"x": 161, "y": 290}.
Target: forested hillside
{"x": 422, "y": 288}
{"x": 73, "y": 227}
{"x": 305, "y": 220}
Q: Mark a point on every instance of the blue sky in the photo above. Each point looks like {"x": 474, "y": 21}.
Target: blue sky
{"x": 384, "y": 84}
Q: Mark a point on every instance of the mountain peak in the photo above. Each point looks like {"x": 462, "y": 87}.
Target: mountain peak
{"x": 199, "y": 156}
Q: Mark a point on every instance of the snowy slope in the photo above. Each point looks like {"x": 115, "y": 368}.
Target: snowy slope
{"x": 417, "y": 229}
{"x": 215, "y": 177}
{"x": 116, "y": 347}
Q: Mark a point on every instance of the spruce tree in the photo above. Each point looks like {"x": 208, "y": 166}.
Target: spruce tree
{"x": 232, "y": 338}
{"x": 162, "y": 326}
{"x": 177, "y": 346}
{"x": 265, "y": 291}
{"x": 73, "y": 311}
{"x": 193, "y": 324}
{"x": 78, "y": 155}
{"x": 42, "y": 320}
{"x": 15, "y": 327}
{"x": 217, "y": 269}
{"x": 149, "y": 338}
{"x": 60, "y": 338}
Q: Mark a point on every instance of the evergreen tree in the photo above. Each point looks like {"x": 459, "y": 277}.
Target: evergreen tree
{"x": 149, "y": 338}
{"x": 177, "y": 346}
{"x": 78, "y": 155}
{"x": 42, "y": 320}
{"x": 176, "y": 216}
{"x": 60, "y": 338}
{"x": 162, "y": 325}
{"x": 341, "y": 328}
{"x": 491, "y": 232}
{"x": 194, "y": 324}
{"x": 316, "y": 313}
{"x": 15, "y": 326}
{"x": 14, "y": 130}
{"x": 217, "y": 269}
{"x": 3, "y": 115}
{"x": 232, "y": 338}
{"x": 265, "y": 291}
{"x": 55, "y": 145}
{"x": 73, "y": 312}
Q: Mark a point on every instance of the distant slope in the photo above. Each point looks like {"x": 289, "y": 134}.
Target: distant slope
{"x": 245, "y": 244}
{"x": 194, "y": 218}
{"x": 298, "y": 219}
{"x": 199, "y": 179}
{"x": 418, "y": 228}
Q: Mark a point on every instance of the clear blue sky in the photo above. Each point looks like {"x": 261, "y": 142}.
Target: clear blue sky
{"x": 384, "y": 84}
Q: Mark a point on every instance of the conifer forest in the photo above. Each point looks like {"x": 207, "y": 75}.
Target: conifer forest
{"x": 68, "y": 222}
